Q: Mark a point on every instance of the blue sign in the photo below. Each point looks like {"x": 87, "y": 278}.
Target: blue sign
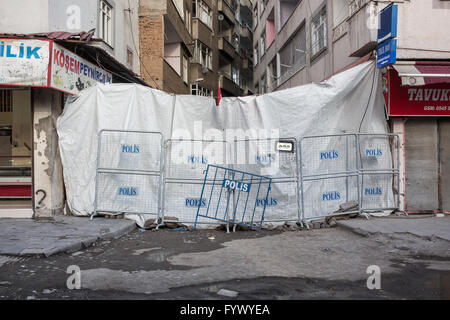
{"x": 387, "y": 53}
{"x": 388, "y": 23}
{"x": 236, "y": 185}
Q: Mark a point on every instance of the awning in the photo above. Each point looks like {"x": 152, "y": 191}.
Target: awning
{"x": 419, "y": 73}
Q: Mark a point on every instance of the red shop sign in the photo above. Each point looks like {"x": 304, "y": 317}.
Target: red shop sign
{"x": 427, "y": 100}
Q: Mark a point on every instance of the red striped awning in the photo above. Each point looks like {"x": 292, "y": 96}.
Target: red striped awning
{"x": 419, "y": 73}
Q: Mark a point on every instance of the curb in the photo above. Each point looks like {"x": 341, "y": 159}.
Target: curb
{"x": 72, "y": 246}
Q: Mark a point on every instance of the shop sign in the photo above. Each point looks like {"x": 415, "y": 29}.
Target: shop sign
{"x": 71, "y": 73}
{"x": 427, "y": 100}
{"x": 24, "y": 62}
{"x": 43, "y": 63}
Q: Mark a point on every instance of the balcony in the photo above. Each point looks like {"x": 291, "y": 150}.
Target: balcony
{"x": 363, "y": 36}
{"x": 226, "y": 47}
{"x": 228, "y": 85}
{"x": 225, "y": 8}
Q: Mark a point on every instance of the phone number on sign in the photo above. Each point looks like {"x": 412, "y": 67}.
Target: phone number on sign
{"x": 436, "y": 108}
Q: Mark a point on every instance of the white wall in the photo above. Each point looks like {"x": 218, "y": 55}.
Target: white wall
{"x": 424, "y": 25}
{"x": 23, "y": 16}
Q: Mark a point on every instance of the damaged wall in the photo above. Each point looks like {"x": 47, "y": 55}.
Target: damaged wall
{"x": 47, "y": 167}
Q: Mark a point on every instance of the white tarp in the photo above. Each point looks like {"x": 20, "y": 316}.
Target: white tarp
{"x": 348, "y": 102}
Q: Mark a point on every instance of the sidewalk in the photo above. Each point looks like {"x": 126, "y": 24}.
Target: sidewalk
{"x": 27, "y": 237}
{"x": 428, "y": 228}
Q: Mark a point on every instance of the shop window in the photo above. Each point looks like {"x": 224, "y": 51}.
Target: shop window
{"x": 105, "y": 23}
{"x": 292, "y": 57}
{"x": 319, "y": 33}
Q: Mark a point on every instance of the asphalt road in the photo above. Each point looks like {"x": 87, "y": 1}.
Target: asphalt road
{"x": 168, "y": 264}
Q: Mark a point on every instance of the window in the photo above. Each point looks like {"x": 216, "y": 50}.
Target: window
{"x": 201, "y": 11}
{"x": 6, "y": 101}
{"x": 272, "y": 75}
{"x": 292, "y": 57}
{"x": 129, "y": 57}
{"x": 255, "y": 55}
{"x": 185, "y": 70}
{"x": 270, "y": 28}
{"x": 203, "y": 55}
{"x": 105, "y": 23}
{"x": 197, "y": 90}
{"x": 255, "y": 16}
{"x": 188, "y": 21}
{"x": 179, "y": 6}
{"x": 263, "y": 43}
{"x": 235, "y": 75}
{"x": 319, "y": 32}
{"x": 263, "y": 84}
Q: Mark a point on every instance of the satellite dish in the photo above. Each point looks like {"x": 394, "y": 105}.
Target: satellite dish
{"x": 220, "y": 17}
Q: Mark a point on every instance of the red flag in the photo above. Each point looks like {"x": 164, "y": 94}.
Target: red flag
{"x": 219, "y": 96}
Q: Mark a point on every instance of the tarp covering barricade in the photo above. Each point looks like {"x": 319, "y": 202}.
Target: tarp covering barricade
{"x": 348, "y": 102}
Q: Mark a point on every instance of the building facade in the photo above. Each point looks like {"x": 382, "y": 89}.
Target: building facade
{"x": 302, "y": 41}
{"x": 44, "y": 57}
{"x": 195, "y": 46}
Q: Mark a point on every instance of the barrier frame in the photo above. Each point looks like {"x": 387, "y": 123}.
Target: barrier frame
{"x": 333, "y": 175}
{"x": 100, "y": 170}
{"x": 235, "y": 204}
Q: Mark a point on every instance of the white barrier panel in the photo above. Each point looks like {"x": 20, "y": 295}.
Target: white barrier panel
{"x": 128, "y": 178}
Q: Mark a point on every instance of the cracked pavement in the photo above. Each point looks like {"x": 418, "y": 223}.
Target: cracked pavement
{"x": 167, "y": 264}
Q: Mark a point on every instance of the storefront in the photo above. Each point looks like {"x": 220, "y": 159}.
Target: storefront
{"x": 417, "y": 97}
{"x": 36, "y": 75}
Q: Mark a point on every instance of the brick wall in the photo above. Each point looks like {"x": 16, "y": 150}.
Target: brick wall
{"x": 151, "y": 45}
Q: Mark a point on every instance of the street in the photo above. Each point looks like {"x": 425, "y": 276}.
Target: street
{"x": 326, "y": 263}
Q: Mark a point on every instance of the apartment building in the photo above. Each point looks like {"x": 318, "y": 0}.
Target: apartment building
{"x": 195, "y": 46}
{"x": 303, "y": 41}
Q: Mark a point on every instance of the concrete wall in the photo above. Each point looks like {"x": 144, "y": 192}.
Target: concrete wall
{"x": 424, "y": 25}
{"x": 24, "y": 16}
{"x": 47, "y": 167}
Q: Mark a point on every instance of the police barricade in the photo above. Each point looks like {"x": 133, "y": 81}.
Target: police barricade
{"x": 185, "y": 165}
{"x": 379, "y": 171}
{"x": 329, "y": 176}
{"x": 128, "y": 175}
{"x": 277, "y": 159}
{"x": 231, "y": 196}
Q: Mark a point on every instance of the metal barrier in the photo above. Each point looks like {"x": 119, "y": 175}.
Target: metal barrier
{"x": 185, "y": 164}
{"x": 277, "y": 159}
{"x": 379, "y": 171}
{"x": 329, "y": 175}
{"x": 232, "y": 196}
{"x": 357, "y": 171}
{"x": 128, "y": 175}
